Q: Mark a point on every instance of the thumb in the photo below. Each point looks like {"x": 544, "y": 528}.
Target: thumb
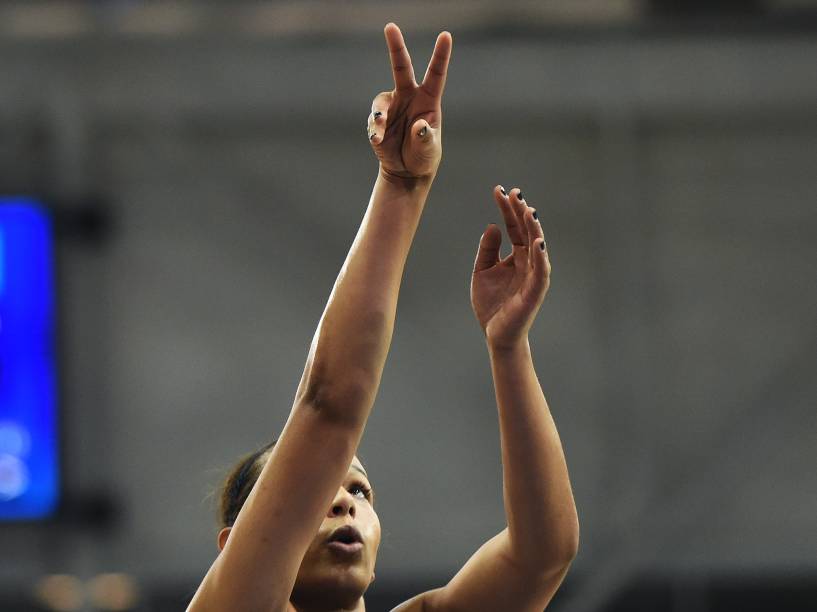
{"x": 488, "y": 251}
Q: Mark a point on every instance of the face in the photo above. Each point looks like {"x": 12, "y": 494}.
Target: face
{"x": 339, "y": 564}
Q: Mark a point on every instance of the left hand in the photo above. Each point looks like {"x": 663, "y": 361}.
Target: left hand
{"x": 506, "y": 293}
{"x": 405, "y": 124}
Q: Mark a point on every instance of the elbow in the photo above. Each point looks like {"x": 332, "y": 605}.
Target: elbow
{"x": 343, "y": 403}
{"x": 558, "y": 556}
{"x": 551, "y": 554}
{"x": 567, "y": 546}
{"x": 561, "y": 545}
{"x": 570, "y": 547}
{"x": 343, "y": 370}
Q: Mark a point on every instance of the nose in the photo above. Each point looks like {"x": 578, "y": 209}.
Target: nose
{"x": 343, "y": 504}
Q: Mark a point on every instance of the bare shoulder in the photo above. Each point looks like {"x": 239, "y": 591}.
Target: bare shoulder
{"x": 420, "y": 603}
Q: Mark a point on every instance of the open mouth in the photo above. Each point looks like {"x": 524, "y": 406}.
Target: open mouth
{"x": 346, "y": 539}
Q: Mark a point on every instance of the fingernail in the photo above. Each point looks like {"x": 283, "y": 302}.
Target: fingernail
{"x": 502, "y": 189}
{"x": 371, "y": 136}
{"x": 519, "y": 196}
{"x": 535, "y": 216}
{"x": 377, "y": 114}
{"x": 542, "y": 246}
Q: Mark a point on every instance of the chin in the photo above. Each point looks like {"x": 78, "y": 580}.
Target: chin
{"x": 336, "y": 587}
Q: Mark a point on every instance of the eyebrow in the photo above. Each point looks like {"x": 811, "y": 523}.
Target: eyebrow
{"x": 361, "y": 470}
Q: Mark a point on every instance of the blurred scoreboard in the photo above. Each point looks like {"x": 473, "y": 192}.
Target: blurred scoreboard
{"x": 29, "y": 466}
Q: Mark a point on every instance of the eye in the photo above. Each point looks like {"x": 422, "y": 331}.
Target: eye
{"x": 360, "y": 490}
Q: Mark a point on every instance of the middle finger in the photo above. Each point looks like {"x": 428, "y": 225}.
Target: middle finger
{"x": 434, "y": 80}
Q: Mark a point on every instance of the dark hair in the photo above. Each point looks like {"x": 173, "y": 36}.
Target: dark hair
{"x": 239, "y": 483}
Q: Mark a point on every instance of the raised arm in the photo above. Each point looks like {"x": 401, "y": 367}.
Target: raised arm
{"x": 258, "y": 566}
{"x": 522, "y": 567}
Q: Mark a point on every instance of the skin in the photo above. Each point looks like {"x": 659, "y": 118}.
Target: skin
{"x": 272, "y": 560}
{"x": 258, "y": 567}
{"x": 522, "y": 567}
{"x": 326, "y": 577}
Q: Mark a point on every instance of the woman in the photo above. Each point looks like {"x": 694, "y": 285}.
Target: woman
{"x": 306, "y": 536}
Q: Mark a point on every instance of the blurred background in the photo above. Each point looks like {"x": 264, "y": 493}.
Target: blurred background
{"x": 202, "y": 168}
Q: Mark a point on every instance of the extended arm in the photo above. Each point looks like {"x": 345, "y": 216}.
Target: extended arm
{"x": 260, "y": 560}
{"x": 543, "y": 528}
{"x": 350, "y": 345}
{"x": 522, "y": 567}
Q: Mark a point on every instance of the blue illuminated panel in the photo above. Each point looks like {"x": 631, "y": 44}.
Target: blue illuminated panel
{"x": 29, "y": 474}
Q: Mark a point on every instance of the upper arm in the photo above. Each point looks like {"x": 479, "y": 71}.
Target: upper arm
{"x": 491, "y": 581}
{"x": 418, "y": 603}
{"x": 281, "y": 516}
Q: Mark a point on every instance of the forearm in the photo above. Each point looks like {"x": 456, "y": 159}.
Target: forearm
{"x": 542, "y": 521}
{"x": 350, "y": 345}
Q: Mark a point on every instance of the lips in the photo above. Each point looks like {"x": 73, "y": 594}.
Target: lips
{"x": 346, "y": 535}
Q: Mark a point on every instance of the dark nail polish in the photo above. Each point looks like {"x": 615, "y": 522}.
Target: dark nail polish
{"x": 542, "y": 246}
{"x": 502, "y": 190}
{"x": 371, "y": 137}
{"x": 519, "y": 196}
{"x": 535, "y": 216}
{"x": 377, "y": 114}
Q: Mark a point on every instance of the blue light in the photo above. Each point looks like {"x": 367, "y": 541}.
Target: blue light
{"x": 2, "y": 263}
{"x": 29, "y": 469}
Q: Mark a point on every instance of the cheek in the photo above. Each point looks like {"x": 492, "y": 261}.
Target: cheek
{"x": 372, "y": 523}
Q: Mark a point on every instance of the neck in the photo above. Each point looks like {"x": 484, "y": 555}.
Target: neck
{"x": 360, "y": 606}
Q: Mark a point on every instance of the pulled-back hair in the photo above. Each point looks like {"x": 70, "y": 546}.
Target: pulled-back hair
{"x": 239, "y": 483}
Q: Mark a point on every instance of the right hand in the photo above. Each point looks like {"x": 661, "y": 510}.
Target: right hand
{"x": 405, "y": 125}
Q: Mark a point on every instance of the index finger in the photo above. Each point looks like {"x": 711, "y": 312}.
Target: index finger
{"x": 434, "y": 80}
{"x": 400, "y": 59}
